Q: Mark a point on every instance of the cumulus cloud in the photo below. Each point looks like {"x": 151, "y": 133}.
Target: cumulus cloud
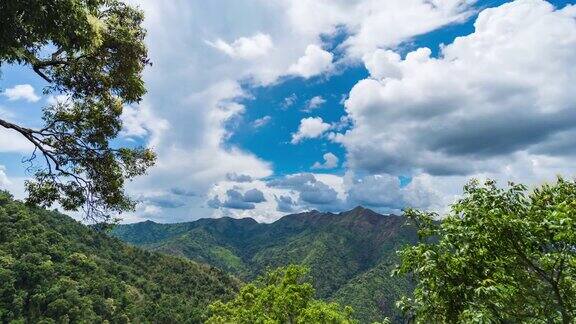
{"x": 254, "y": 196}
{"x": 385, "y": 192}
{"x": 140, "y": 121}
{"x": 311, "y": 191}
{"x": 21, "y": 92}
{"x": 330, "y": 162}
{"x": 310, "y": 127}
{"x": 233, "y": 176}
{"x": 373, "y": 24}
{"x": 318, "y": 193}
{"x": 314, "y": 62}
{"x": 314, "y": 103}
{"x": 191, "y": 154}
{"x": 234, "y": 199}
{"x": 285, "y": 204}
{"x": 200, "y": 94}
{"x": 245, "y": 47}
{"x": 214, "y": 202}
{"x": 503, "y": 90}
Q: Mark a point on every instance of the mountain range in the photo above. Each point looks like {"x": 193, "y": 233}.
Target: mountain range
{"x": 350, "y": 254}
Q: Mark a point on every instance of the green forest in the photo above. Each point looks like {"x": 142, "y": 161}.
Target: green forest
{"x": 500, "y": 255}
{"x": 350, "y": 255}
{"x": 54, "y": 269}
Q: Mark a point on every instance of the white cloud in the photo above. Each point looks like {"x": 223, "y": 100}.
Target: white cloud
{"x": 503, "y": 90}
{"x": 193, "y": 158}
{"x": 289, "y": 101}
{"x": 196, "y": 91}
{"x": 58, "y": 99}
{"x": 14, "y": 185}
{"x": 314, "y": 62}
{"x": 245, "y": 47}
{"x": 261, "y": 121}
{"x": 330, "y": 162}
{"x": 264, "y": 210}
{"x": 4, "y": 181}
{"x": 254, "y": 196}
{"x": 314, "y": 103}
{"x": 285, "y": 204}
{"x": 310, "y": 127}
{"x": 233, "y": 176}
{"x": 12, "y": 141}
{"x": 141, "y": 122}
{"x": 312, "y": 192}
{"x": 384, "y": 192}
{"x": 373, "y": 24}
{"x": 21, "y": 92}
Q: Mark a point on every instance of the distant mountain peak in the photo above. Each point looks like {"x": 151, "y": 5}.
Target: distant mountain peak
{"x": 350, "y": 253}
{"x": 361, "y": 211}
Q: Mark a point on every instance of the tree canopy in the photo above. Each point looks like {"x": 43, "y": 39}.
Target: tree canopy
{"x": 54, "y": 269}
{"x": 91, "y": 55}
{"x": 280, "y": 296}
{"x": 501, "y": 255}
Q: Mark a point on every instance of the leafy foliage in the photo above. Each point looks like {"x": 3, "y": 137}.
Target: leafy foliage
{"x": 54, "y": 269}
{"x": 349, "y": 254}
{"x": 373, "y": 294}
{"x": 502, "y": 255}
{"x": 280, "y": 296}
{"x": 92, "y": 53}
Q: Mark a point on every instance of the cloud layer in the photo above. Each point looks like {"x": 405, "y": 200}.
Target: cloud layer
{"x": 504, "y": 90}
{"x": 496, "y": 103}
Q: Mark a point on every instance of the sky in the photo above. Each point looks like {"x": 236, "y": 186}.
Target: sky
{"x": 261, "y": 108}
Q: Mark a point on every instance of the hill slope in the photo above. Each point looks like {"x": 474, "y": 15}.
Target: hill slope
{"x": 350, "y": 254}
{"x": 54, "y": 268}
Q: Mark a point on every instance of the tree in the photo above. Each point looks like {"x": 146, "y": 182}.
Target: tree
{"x": 92, "y": 53}
{"x": 56, "y": 270}
{"x": 501, "y": 255}
{"x": 281, "y": 296}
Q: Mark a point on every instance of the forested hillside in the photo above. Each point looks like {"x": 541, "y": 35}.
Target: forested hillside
{"x": 350, "y": 254}
{"x": 54, "y": 268}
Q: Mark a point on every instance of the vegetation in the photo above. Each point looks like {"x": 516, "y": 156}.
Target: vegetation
{"x": 350, "y": 255}
{"x": 91, "y": 53}
{"x": 54, "y": 269}
{"x": 280, "y": 296}
{"x": 501, "y": 255}
{"x": 373, "y": 294}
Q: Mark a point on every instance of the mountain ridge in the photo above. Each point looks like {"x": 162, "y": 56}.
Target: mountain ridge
{"x": 344, "y": 250}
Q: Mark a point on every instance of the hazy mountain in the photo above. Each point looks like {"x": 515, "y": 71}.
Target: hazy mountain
{"x": 350, "y": 254}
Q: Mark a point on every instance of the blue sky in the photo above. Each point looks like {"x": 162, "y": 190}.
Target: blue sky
{"x": 258, "y": 109}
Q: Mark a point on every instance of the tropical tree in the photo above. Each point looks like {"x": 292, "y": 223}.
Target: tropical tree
{"x": 280, "y": 296}
{"x": 90, "y": 54}
{"x": 501, "y": 255}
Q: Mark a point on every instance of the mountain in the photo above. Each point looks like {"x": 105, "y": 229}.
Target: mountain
{"x": 54, "y": 269}
{"x": 350, "y": 254}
